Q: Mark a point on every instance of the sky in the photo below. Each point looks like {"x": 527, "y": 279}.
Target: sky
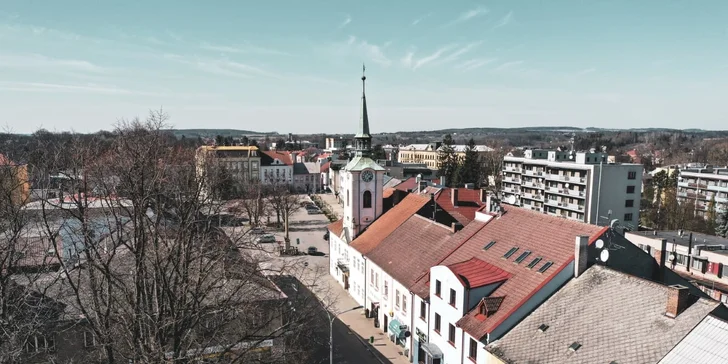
{"x": 295, "y": 66}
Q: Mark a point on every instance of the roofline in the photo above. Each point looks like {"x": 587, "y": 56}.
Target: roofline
{"x": 393, "y": 230}
{"x": 547, "y": 280}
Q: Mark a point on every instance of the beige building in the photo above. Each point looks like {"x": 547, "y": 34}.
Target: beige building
{"x": 241, "y": 161}
{"x": 703, "y": 184}
{"x": 581, "y": 186}
{"x": 427, "y": 154}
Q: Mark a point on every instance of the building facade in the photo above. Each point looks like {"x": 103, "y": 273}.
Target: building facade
{"x": 427, "y": 154}
{"x": 703, "y": 186}
{"x": 14, "y": 181}
{"x": 580, "y": 186}
{"x": 276, "y": 168}
{"x": 241, "y": 161}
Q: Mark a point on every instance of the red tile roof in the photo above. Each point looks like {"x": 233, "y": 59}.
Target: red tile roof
{"x": 388, "y": 223}
{"x": 476, "y": 273}
{"x": 5, "y": 161}
{"x": 284, "y": 157}
{"x": 548, "y": 237}
{"x": 406, "y": 254}
{"x": 468, "y": 203}
{"x": 336, "y": 227}
{"x": 325, "y": 167}
{"x": 388, "y": 192}
{"x": 407, "y": 184}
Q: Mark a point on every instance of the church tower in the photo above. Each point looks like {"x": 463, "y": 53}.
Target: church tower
{"x": 362, "y": 178}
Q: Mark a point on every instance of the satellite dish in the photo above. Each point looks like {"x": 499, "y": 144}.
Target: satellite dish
{"x": 604, "y": 255}
{"x": 614, "y": 223}
{"x": 566, "y": 185}
{"x": 671, "y": 257}
{"x": 600, "y": 243}
{"x": 512, "y": 199}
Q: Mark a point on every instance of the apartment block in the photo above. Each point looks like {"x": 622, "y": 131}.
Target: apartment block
{"x": 582, "y": 186}
{"x": 702, "y": 185}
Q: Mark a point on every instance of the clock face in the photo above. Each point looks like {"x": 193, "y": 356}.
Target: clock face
{"x": 367, "y": 176}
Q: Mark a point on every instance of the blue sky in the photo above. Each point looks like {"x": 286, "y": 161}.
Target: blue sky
{"x": 294, "y": 66}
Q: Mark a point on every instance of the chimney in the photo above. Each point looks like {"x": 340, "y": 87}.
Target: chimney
{"x": 690, "y": 251}
{"x": 482, "y": 195}
{"x": 663, "y": 256}
{"x": 454, "y": 196}
{"x": 677, "y": 300}
{"x": 581, "y": 254}
{"x": 455, "y": 227}
{"x": 434, "y": 207}
{"x": 442, "y": 181}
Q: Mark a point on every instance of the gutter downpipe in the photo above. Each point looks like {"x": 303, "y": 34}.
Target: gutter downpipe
{"x": 599, "y": 193}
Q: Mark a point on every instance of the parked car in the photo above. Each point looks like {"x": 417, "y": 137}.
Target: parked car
{"x": 267, "y": 238}
{"x": 257, "y": 230}
{"x": 326, "y": 235}
{"x": 314, "y": 211}
{"x": 312, "y": 250}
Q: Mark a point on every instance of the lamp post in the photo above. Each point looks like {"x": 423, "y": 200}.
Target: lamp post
{"x": 332, "y": 318}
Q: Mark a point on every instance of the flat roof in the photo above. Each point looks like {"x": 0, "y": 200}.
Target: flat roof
{"x": 673, "y": 236}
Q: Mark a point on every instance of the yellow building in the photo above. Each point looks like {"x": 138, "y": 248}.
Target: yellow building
{"x": 427, "y": 154}
{"x": 14, "y": 184}
{"x": 240, "y": 161}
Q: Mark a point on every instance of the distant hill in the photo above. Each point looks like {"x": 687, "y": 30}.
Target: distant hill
{"x": 211, "y": 133}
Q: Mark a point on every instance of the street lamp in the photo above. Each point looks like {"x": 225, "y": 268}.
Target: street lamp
{"x": 331, "y": 330}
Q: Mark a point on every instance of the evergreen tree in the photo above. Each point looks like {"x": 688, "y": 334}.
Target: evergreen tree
{"x": 469, "y": 170}
{"x": 378, "y": 152}
{"x": 710, "y": 217}
{"x": 447, "y": 160}
{"x": 721, "y": 224}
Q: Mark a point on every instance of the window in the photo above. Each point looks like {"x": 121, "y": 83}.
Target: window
{"x": 523, "y": 256}
{"x": 423, "y": 310}
{"x": 437, "y": 323}
{"x": 510, "y": 252}
{"x": 473, "y": 350}
{"x": 453, "y": 296}
{"x": 489, "y": 245}
{"x": 627, "y": 217}
{"x": 404, "y": 303}
{"x": 38, "y": 343}
{"x": 451, "y": 334}
{"x": 89, "y": 339}
{"x": 367, "y": 200}
{"x": 396, "y": 302}
{"x": 371, "y": 278}
{"x": 632, "y": 175}
{"x": 438, "y": 288}
{"x": 376, "y": 280}
{"x": 545, "y": 267}
{"x": 629, "y": 203}
{"x": 630, "y": 189}
{"x": 347, "y": 198}
{"x": 386, "y": 288}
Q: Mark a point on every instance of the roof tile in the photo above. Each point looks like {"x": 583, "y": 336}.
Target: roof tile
{"x": 388, "y": 223}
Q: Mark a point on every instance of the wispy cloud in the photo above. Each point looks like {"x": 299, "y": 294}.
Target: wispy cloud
{"x": 345, "y": 22}
{"x": 445, "y": 54}
{"x": 475, "y": 63}
{"x": 37, "y": 61}
{"x": 467, "y": 15}
{"x": 55, "y": 87}
{"x": 505, "y": 20}
{"x": 223, "y": 67}
{"x": 362, "y": 48}
{"x": 241, "y": 49}
{"x": 431, "y": 57}
{"x": 585, "y": 72}
{"x": 507, "y": 66}
{"x": 454, "y": 56}
{"x": 420, "y": 19}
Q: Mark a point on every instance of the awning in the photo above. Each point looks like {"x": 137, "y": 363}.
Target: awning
{"x": 394, "y": 329}
{"x": 432, "y": 350}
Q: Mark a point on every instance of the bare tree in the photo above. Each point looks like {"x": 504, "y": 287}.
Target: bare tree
{"x": 284, "y": 203}
{"x": 145, "y": 277}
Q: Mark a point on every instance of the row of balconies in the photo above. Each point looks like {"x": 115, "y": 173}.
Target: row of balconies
{"x": 563, "y": 204}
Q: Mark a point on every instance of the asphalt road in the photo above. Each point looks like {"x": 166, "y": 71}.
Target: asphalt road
{"x": 349, "y": 348}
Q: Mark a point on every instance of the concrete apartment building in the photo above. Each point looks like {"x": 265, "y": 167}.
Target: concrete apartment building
{"x": 700, "y": 258}
{"x": 582, "y": 186}
{"x": 701, "y": 184}
{"x": 241, "y": 161}
{"x": 427, "y": 153}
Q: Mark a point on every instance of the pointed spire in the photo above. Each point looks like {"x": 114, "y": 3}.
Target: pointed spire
{"x": 363, "y": 139}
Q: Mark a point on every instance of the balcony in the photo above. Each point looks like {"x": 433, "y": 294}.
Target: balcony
{"x": 512, "y": 179}
{"x": 511, "y": 189}
{"x": 512, "y": 169}
{"x": 717, "y": 188}
{"x": 531, "y": 172}
{"x": 533, "y": 184}
{"x": 561, "y": 177}
{"x": 565, "y": 191}
{"x": 533, "y": 196}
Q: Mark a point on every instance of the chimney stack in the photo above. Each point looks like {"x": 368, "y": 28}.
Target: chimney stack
{"x": 663, "y": 257}
{"x": 581, "y": 254}
{"x": 677, "y": 300}
{"x": 434, "y": 207}
{"x": 455, "y": 227}
{"x": 482, "y": 195}
{"x": 454, "y": 196}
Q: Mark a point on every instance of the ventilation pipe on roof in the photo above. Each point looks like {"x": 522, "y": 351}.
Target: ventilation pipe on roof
{"x": 454, "y": 196}
{"x": 434, "y": 207}
{"x": 581, "y": 253}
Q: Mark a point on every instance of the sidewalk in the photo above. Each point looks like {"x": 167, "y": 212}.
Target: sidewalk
{"x": 334, "y": 206}
{"x": 364, "y": 327}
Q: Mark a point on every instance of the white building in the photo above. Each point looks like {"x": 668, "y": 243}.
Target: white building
{"x": 581, "y": 186}
{"x": 701, "y": 185}
{"x": 276, "y": 168}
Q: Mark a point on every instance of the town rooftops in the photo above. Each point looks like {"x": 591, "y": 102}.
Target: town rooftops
{"x": 407, "y": 185}
{"x": 475, "y": 273}
{"x": 406, "y": 253}
{"x": 466, "y": 203}
{"x": 388, "y": 223}
{"x": 601, "y": 317}
{"x": 530, "y": 246}
{"x": 268, "y": 158}
{"x": 683, "y": 238}
{"x": 306, "y": 168}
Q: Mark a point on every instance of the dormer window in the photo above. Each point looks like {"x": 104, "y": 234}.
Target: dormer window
{"x": 489, "y": 305}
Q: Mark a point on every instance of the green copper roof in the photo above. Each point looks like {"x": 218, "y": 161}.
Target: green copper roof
{"x": 360, "y": 163}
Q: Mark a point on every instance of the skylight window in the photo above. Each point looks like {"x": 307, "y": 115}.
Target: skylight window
{"x": 575, "y": 346}
{"x": 534, "y": 262}
{"x": 523, "y": 256}
{"x": 489, "y": 245}
{"x": 545, "y": 267}
{"x": 543, "y": 327}
{"x": 510, "y": 252}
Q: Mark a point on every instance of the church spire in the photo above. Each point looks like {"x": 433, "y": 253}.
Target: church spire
{"x": 363, "y": 141}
